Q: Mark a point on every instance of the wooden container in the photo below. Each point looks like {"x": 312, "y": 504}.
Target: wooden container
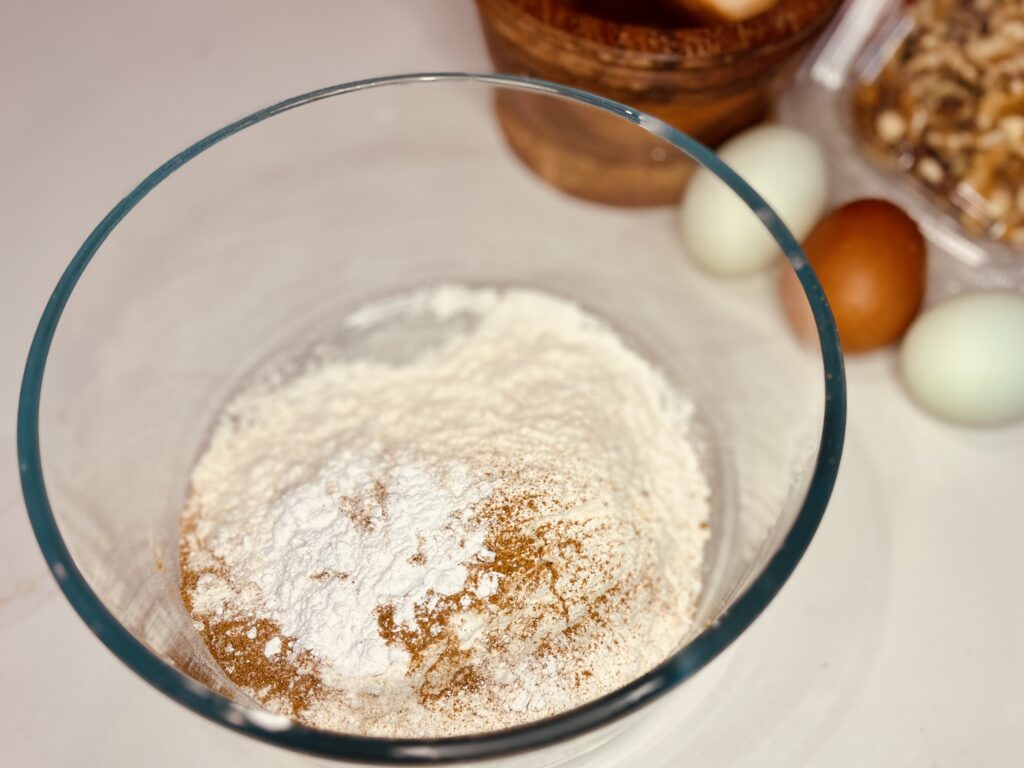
{"x": 708, "y": 81}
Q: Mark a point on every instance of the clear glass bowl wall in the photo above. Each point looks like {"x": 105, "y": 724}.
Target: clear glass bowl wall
{"x": 352, "y": 194}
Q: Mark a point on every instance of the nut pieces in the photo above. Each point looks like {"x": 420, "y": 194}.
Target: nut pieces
{"x": 949, "y": 106}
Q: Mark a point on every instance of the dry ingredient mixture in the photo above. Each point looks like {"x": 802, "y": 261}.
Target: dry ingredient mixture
{"x": 949, "y": 107}
{"x": 507, "y": 525}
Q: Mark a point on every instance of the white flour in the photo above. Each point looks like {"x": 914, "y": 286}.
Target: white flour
{"x": 505, "y": 526}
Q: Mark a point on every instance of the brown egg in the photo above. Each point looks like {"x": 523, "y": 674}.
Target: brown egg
{"x": 870, "y": 258}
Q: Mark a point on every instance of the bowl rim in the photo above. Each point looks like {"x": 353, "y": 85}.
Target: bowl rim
{"x": 283, "y": 732}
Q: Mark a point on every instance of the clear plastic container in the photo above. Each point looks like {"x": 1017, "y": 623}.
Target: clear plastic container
{"x": 821, "y": 102}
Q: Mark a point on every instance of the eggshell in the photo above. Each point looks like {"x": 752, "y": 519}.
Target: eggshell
{"x": 870, "y": 259}
{"x": 786, "y": 167}
{"x": 964, "y": 360}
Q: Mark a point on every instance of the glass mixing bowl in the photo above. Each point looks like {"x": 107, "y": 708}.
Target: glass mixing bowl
{"x": 287, "y": 219}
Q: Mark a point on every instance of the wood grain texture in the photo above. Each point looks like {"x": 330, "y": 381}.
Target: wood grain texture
{"x": 708, "y": 81}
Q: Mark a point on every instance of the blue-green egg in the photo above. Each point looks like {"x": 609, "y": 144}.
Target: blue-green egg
{"x": 964, "y": 360}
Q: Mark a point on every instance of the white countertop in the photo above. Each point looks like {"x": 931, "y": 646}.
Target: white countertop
{"x": 899, "y": 641}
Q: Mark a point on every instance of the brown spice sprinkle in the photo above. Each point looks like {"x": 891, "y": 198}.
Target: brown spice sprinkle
{"x": 238, "y": 645}
{"x": 524, "y": 559}
{"x": 543, "y": 599}
{"x": 242, "y": 657}
{"x": 433, "y": 643}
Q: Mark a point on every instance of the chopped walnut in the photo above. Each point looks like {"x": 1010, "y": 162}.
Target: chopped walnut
{"x": 929, "y": 169}
{"x": 891, "y": 126}
{"x": 949, "y": 104}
